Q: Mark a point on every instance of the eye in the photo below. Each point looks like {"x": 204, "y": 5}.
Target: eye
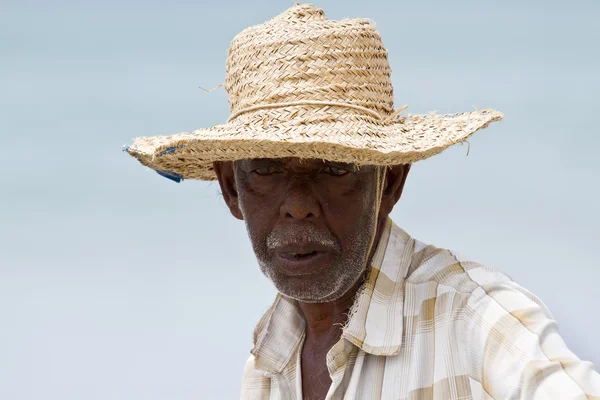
{"x": 266, "y": 171}
{"x": 336, "y": 171}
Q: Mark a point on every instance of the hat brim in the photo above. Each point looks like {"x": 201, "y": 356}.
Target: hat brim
{"x": 408, "y": 139}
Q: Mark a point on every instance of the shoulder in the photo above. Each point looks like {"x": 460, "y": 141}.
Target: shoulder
{"x": 477, "y": 284}
{"x": 449, "y": 268}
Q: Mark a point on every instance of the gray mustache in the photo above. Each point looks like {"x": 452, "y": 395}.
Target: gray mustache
{"x": 280, "y": 239}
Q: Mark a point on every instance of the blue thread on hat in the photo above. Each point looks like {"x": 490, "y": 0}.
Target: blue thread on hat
{"x": 170, "y": 175}
{"x": 126, "y": 148}
{"x": 168, "y": 150}
{"x": 173, "y": 149}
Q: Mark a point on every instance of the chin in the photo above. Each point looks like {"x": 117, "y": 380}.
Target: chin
{"x": 321, "y": 282}
{"x": 311, "y": 289}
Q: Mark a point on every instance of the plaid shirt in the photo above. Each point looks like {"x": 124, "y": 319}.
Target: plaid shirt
{"x": 427, "y": 324}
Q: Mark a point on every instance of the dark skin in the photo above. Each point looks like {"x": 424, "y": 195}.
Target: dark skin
{"x": 314, "y": 226}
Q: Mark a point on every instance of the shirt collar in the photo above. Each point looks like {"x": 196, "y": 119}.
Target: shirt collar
{"x": 376, "y": 317}
{"x": 277, "y": 335}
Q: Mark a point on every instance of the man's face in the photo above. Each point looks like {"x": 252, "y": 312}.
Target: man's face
{"x": 311, "y": 222}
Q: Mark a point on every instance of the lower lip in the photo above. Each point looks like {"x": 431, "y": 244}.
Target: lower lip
{"x": 306, "y": 265}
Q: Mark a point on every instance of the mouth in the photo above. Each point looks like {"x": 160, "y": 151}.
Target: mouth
{"x": 302, "y": 261}
{"x": 299, "y": 256}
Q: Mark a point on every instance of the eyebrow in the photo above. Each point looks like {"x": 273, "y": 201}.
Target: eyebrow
{"x": 272, "y": 161}
{"x": 280, "y": 162}
{"x": 348, "y": 166}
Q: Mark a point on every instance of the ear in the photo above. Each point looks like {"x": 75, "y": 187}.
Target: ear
{"x": 226, "y": 176}
{"x": 395, "y": 178}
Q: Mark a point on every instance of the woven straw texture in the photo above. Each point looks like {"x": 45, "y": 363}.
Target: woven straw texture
{"x": 301, "y": 85}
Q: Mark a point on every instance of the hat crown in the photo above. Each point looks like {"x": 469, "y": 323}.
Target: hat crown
{"x": 301, "y": 56}
{"x": 301, "y": 12}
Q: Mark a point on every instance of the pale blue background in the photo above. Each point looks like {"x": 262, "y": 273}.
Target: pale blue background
{"x": 116, "y": 283}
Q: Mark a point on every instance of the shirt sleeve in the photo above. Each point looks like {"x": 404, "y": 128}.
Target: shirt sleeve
{"x": 515, "y": 351}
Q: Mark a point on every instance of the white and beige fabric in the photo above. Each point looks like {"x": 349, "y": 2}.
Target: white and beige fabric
{"x": 427, "y": 324}
{"x": 301, "y": 85}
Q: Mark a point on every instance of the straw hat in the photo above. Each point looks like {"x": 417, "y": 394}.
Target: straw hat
{"x": 301, "y": 85}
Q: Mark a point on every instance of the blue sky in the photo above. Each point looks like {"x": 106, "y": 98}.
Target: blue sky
{"x": 116, "y": 283}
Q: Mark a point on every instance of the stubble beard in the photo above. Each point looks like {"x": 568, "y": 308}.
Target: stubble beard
{"x": 348, "y": 266}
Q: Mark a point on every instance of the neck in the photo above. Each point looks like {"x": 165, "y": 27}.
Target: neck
{"x": 324, "y": 321}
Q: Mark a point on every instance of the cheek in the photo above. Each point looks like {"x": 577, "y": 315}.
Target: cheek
{"x": 257, "y": 233}
{"x": 349, "y": 199}
{"x": 257, "y": 206}
{"x": 350, "y": 216}
{"x": 259, "y": 216}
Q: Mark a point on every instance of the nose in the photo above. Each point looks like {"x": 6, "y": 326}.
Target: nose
{"x": 300, "y": 202}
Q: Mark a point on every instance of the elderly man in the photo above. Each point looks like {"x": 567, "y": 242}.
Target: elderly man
{"x": 313, "y": 159}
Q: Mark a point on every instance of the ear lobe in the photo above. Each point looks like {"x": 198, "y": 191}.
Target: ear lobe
{"x": 226, "y": 177}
